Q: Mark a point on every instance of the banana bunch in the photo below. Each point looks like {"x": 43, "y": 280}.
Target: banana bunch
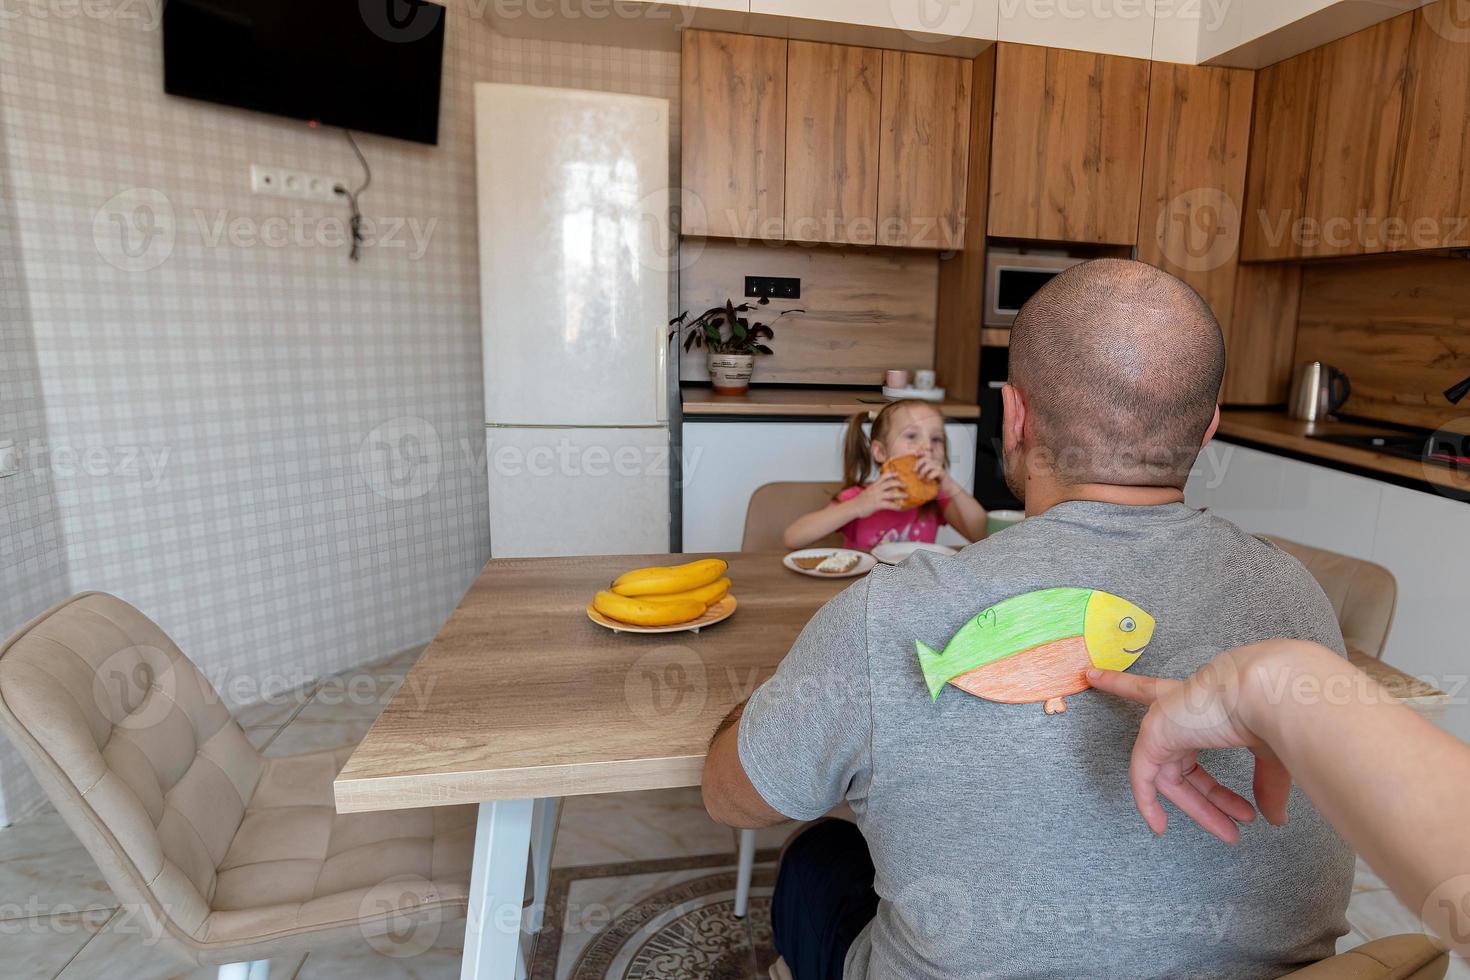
{"x": 664, "y": 595}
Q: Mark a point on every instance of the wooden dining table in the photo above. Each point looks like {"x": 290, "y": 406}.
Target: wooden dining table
{"x": 521, "y": 700}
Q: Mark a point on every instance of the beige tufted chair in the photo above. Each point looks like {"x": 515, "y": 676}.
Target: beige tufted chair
{"x": 226, "y": 855}
{"x": 1363, "y": 594}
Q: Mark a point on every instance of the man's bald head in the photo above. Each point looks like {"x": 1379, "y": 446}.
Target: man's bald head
{"x": 1120, "y": 366}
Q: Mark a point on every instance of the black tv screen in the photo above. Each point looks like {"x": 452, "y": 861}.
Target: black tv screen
{"x": 368, "y": 65}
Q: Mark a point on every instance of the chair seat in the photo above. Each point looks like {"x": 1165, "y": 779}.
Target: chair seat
{"x": 296, "y": 866}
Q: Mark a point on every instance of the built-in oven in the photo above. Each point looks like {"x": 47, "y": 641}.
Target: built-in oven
{"x": 1012, "y": 276}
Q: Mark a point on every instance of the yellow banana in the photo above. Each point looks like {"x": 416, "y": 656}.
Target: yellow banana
{"x": 643, "y": 612}
{"x": 661, "y": 580}
{"x": 707, "y": 594}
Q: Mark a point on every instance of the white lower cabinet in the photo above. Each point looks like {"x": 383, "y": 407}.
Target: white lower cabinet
{"x": 724, "y": 463}
{"x": 1422, "y": 537}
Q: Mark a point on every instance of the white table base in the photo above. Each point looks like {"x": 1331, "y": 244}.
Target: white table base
{"x": 512, "y": 837}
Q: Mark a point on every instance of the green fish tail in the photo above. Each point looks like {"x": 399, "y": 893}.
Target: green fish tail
{"x": 931, "y": 662}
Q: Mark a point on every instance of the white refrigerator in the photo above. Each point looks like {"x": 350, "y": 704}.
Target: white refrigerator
{"x": 575, "y": 266}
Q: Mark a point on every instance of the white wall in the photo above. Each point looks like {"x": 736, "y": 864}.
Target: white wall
{"x": 1422, "y": 537}
{"x": 32, "y": 555}
{"x": 273, "y": 452}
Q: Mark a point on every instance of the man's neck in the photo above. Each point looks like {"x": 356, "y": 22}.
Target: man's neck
{"x": 1042, "y": 496}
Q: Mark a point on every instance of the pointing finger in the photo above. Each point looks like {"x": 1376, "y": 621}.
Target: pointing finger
{"x": 1135, "y": 687}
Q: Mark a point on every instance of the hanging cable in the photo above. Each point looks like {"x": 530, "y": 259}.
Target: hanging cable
{"x": 351, "y": 195}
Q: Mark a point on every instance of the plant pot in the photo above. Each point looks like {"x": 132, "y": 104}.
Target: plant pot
{"x": 730, "y": 373}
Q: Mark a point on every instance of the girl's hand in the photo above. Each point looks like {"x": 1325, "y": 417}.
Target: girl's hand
{"x": 1184, "y": 717}
{"x": 884, "y": 493}
{"x": 931, "y": 469}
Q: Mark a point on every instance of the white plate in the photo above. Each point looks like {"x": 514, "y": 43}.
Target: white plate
{"x": 865, "y": 562}
{"x": 718, "y": 612}
{"x": 893, "y": 552}
{"x": 927, "y": 394}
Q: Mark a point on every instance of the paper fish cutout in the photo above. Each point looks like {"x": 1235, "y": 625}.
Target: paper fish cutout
{"x": 1038, "y": 646}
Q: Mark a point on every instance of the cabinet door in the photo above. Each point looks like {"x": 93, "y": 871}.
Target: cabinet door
{"x": 924, "y": 152}
{"x": 1280, "y": 155}
{"x": 833, "y": 96}
{"x": 1355, "y": 139}
{"x": 733, "y": 134}
{"x": 1067, "y": 145}
{"x": 1199, "y": 123}
{"x": 1431, "y": 194}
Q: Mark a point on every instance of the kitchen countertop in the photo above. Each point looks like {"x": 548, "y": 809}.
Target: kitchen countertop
{"x": 808, "y": 401}
{"x": 1276, "y": 430}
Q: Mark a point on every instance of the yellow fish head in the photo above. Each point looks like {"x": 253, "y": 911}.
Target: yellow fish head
{"x": 1116, "y": 631}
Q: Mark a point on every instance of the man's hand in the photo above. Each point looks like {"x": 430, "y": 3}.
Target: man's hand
{"x": 1184, "y": 717}
{"x": 729, "y": 796}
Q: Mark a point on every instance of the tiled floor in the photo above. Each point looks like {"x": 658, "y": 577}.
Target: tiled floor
{"x": 58, "y": 919}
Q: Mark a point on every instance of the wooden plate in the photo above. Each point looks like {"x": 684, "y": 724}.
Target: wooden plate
{"x": 721, "y": 610}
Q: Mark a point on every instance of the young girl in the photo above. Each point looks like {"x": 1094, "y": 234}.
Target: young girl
{"x": 869, "y": 515}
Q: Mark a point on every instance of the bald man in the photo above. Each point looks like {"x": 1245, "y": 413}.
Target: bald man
{"x": 945, "y": 698}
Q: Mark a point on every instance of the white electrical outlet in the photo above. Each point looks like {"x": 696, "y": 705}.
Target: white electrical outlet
{"x": 9, "y": 459}
{"x": 280, "y": 182}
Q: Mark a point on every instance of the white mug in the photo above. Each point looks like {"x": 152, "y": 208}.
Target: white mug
{"x": 924, "y": 380}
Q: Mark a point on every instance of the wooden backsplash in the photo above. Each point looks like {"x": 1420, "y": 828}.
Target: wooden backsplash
{"x": 1399, "y": 328}
{"x": 867, "y": 310}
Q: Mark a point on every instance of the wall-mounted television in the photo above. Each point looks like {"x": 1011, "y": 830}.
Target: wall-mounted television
{"x": 368, "y": 65}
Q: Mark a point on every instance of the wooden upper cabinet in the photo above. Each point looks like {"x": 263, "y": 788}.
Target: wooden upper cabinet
{"x": 1431, "y": 194}
{"x": 924, "y": 150}
{"x": 1280, "y": 156}
{"x": 833, "y": 98}
{"x": 1355, "y": 136}
{"x": 1199, "y": 122}
{"x": 733, "y": 134}
{"x": 1067, "y": 145}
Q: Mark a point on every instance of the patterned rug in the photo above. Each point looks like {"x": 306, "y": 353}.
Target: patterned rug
{"x": 656, "y": 920}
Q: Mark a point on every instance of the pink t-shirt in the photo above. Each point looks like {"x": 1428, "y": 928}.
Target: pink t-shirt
{"x": 881, "y": 526}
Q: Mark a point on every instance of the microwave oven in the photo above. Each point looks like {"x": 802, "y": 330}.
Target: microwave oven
{"x": 1012, "y": 277}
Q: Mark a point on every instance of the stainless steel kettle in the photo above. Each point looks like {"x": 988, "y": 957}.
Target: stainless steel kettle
{"x": 1317, "y": 391}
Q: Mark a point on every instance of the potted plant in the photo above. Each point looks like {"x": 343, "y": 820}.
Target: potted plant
{"x": 731, "y": 341}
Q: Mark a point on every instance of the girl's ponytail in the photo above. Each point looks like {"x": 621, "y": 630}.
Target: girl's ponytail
{"x": 856, "y": 454}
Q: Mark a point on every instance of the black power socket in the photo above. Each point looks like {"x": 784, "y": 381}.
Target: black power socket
{"x": 775, "y": 287}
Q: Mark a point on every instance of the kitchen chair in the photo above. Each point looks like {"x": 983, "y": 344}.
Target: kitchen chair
{"x": 229, "y": 857}
{"x": 771, "y": 509}
{"x": 775, "y": 505}
{"x": 1362, "y": 593}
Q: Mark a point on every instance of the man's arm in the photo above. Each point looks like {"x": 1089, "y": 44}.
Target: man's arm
{"x": 729, "y": 795}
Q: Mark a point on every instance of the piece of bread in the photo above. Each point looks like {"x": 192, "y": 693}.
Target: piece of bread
{"x": 920, "y": 491}
{"x": 839, "y": 562}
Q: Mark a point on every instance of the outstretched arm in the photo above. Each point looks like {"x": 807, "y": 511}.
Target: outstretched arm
{"x": 885, "y": 493}
{"x": 1389, "y": 781}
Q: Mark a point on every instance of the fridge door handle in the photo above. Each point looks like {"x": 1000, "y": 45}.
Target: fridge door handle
{"x": 661, "y": 379}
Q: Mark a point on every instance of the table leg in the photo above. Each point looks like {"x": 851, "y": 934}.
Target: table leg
{"x": 544, "y": 818}
{"x": 492, "y": 932}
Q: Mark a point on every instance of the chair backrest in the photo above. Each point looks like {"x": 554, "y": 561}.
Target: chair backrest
{"x": 775, "y": 505}
{"x": 1363, "y": 594}
{"x": 135, "y": 749}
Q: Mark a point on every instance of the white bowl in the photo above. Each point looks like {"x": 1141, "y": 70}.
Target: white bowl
{"x": 893, "y": 552}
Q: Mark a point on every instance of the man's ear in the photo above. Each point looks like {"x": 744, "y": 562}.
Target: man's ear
{"x": 1210, "y": 432}
{"x": 1013, "y": 417}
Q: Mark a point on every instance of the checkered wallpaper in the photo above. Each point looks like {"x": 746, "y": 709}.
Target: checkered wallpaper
{"x": 275, "y": 453}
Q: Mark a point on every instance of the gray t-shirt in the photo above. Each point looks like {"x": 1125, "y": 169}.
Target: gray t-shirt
{"x": 1005, "y": 839}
